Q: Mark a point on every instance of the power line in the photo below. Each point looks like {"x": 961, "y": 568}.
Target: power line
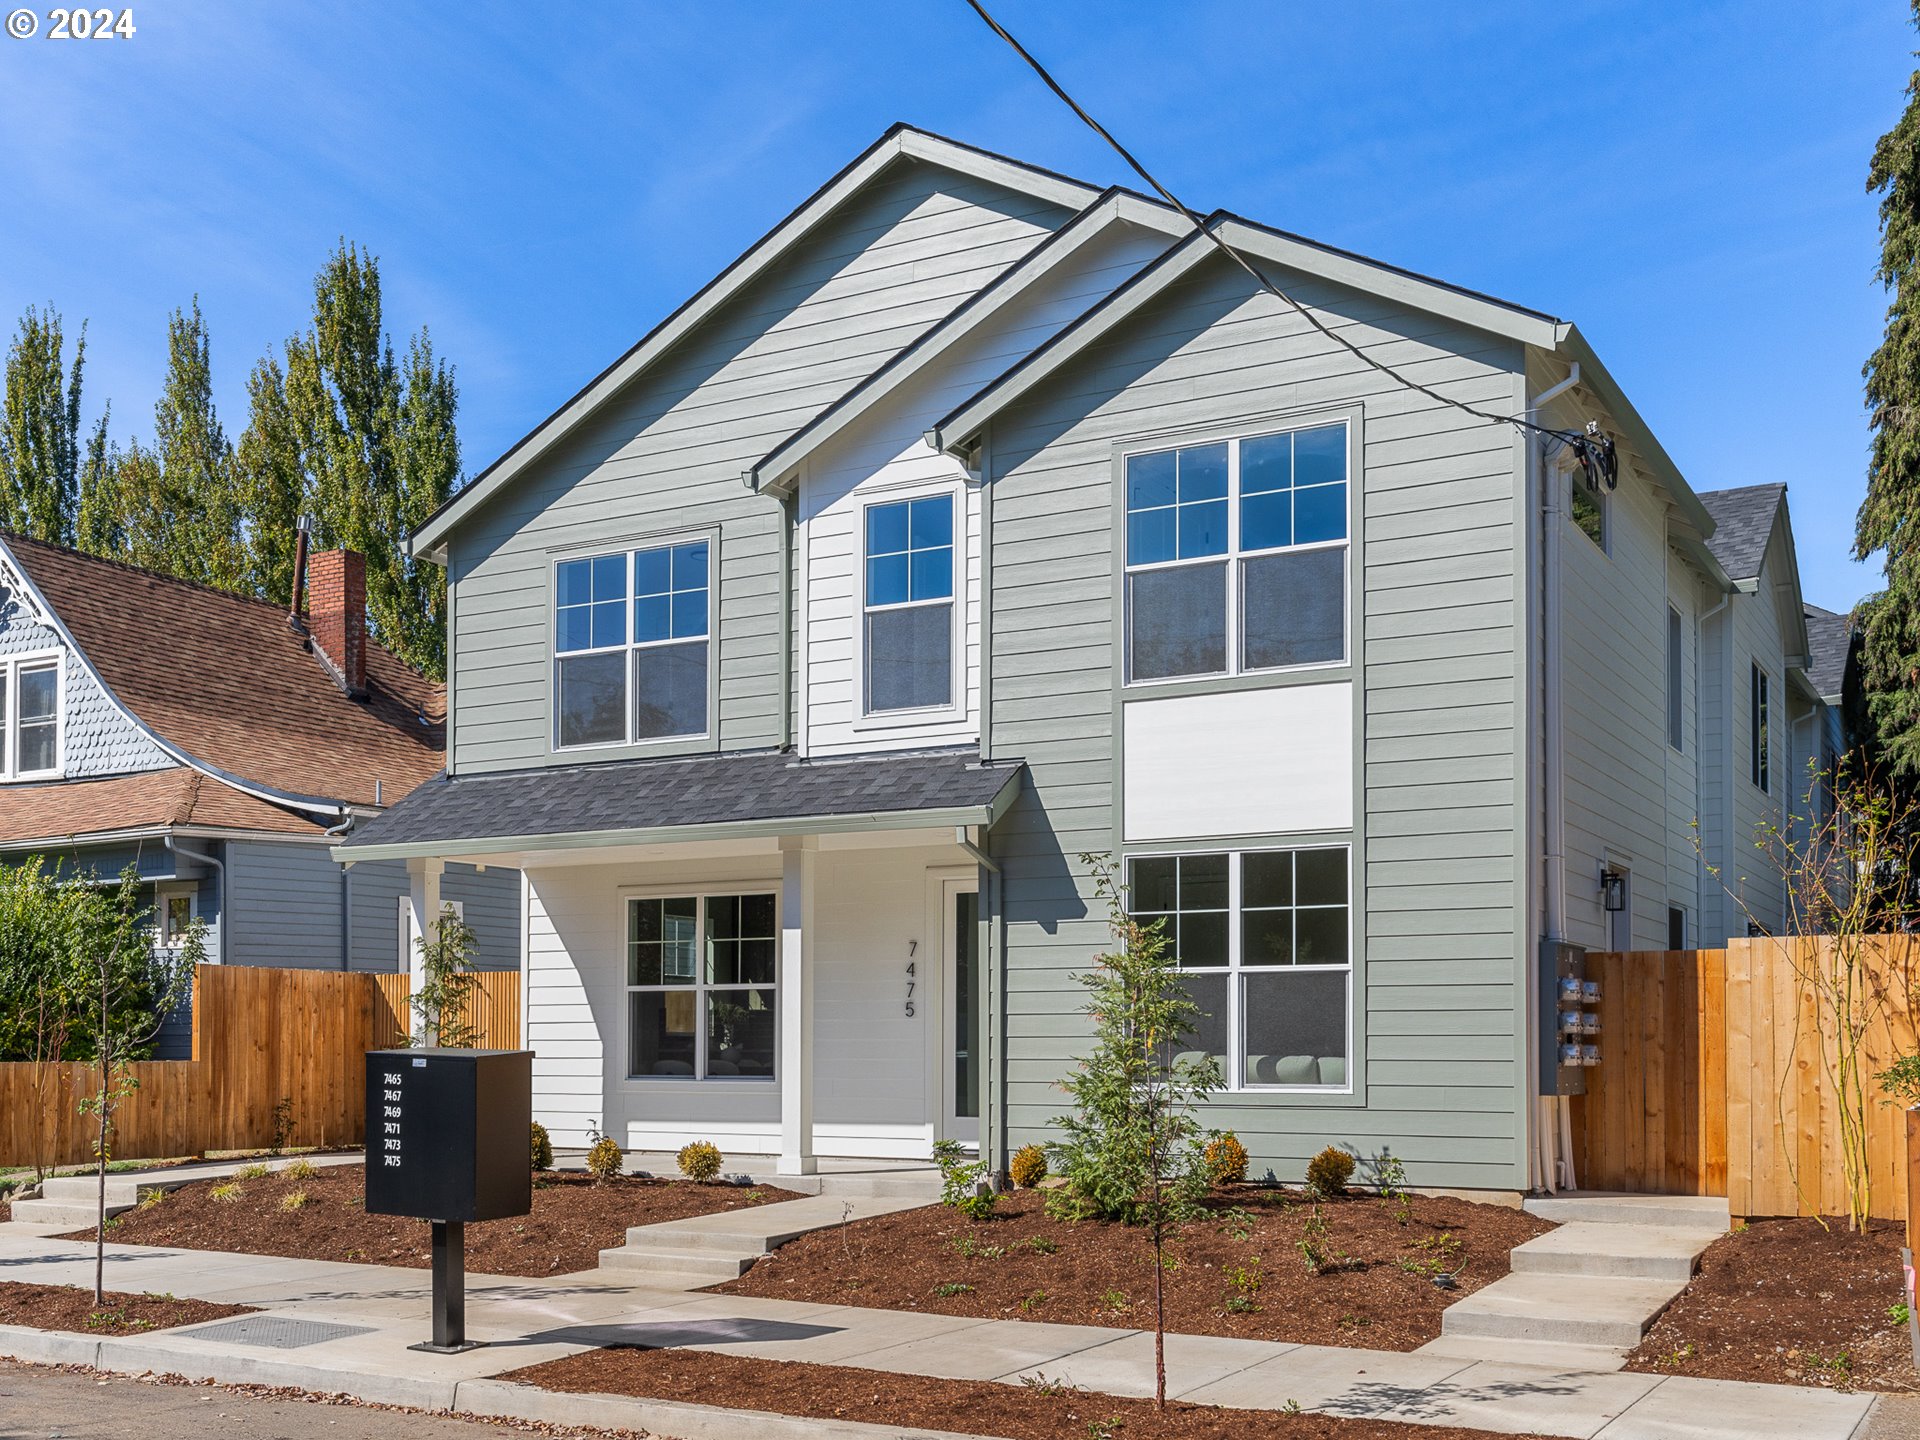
{"x": 1596, "y": 454}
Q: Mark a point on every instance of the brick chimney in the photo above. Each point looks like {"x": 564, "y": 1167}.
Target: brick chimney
{"x": 337, "y": 615}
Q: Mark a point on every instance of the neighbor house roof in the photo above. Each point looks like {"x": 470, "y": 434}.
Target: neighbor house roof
{"x": 761, "y": 793}
{"x": 1743, "y": 522}
{"x": 901, "y": 142}
{"x": 176, "y": 798}
{"x": 227, "y": 685}
{"x": 1829, "y": 641}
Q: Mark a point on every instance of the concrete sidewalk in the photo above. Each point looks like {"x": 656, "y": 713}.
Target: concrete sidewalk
{"x": 345, "y": 1328}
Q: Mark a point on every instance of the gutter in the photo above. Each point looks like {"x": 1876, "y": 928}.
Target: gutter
{"x": 226, "y": 895}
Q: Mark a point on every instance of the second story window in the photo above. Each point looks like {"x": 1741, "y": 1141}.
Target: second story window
{"x": 1757, "y": 731}
{"x": 30, "y": 718}
{"x": 908, "y": 625}
{"x": 631, "y": 645}
{"x": 1236, "y": 555}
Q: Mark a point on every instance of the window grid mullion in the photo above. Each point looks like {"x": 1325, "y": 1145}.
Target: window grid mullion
{"x": 1236, "y": 1058}
{"x": 700, "y": 987}
{"x": 1233, "y": 568}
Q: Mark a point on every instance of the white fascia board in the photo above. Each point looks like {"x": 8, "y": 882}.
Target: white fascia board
{"x": 429, "y": 541}
{"x": 780, "y": 468}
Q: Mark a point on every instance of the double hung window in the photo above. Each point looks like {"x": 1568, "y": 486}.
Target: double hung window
{"x": 1263, "y": 940}
{"x": 908, "y": 625}
{"x": 30, "y": 718}
{"x": 1236, "y": 555}
{"x": 700, "y": 986}
{"x": 631, "y": 645}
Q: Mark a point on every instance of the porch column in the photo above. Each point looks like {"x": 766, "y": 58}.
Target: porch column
{"x": 423, "y": 877}
{"x": 798, "y": 860}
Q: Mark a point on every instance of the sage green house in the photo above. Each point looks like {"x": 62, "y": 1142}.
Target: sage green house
{"x": 977, "y": 521}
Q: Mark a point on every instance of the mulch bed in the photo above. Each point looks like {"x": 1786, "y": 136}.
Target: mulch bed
{"x": 1789, "y": 1302}
{"x": 973, "y": 1407}
{"x": 69, "y": 1307}
{"x": 573, "y": 1220}
{"x": 1240, "y": 1272}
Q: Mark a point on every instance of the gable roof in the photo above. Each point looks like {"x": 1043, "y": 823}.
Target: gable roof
{"x": 224, "y": 684}
{"x": 1113, "y": 207}
{"x": 62, "y": 812}
{"x": 1829, "y": 644}
{"x": 1743, "y": 521}
{"x": 900, "y": 142}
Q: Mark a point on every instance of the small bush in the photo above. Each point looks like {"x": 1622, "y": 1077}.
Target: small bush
{"x": 1329, "y": 1171}
{"x": 251, "y": 1172}
{"x": 1226, "y": 1159}
{"x": 961, "y": 1186}
{"x": 542, "y": 1148}
{"x": 226, "y": 1193}
{"x": 300, "y": 1170}
{"x": 952, "y": 1288}
{"x": 294, "y": 1200}
{"x": 604, "y": 1159}
{"x": 700, "y": 1160}
{"x": 1028, "y": 1166}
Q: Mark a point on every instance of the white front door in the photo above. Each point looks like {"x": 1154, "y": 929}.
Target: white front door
{"x": 960, "y": 1048}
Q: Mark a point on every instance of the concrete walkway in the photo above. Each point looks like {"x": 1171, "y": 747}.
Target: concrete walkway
{"x": 67, "y": 1202}
{"x": 344, "y": 1328}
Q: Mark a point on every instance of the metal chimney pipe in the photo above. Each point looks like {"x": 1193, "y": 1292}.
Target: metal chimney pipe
{"x": 302, "y": 537}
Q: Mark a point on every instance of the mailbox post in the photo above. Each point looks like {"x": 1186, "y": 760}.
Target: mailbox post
{"x": 447, "y": 1143}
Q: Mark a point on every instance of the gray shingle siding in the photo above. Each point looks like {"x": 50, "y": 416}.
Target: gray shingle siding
{"x": 97, "y": 736}
{"x": 669, "y": 452}
{"x": 1437, "y": 980}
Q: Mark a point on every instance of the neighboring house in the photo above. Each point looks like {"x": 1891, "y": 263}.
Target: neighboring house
{"x": 976, "y": 520}
{"x": 202, "y": 738}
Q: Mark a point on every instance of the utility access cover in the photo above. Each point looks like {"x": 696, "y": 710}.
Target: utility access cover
{"x": 273, "y": 1332}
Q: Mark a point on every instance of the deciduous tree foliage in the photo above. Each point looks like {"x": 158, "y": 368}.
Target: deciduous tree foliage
{"x": 41, "y": 453}
{"x": 1889, "y": 518}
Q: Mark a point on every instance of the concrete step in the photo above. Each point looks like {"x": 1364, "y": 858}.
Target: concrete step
{"x": 1561, "y": 1310}
{"x": 1585, "y": 1247}
{"x": 899, "y": 1185}
{"x": 83, "y": 1189}
{"x": 684, "y": 1268}
{"x": 670, "y": 1236}
{"x": 1676, "y": 1212}
{"x": 62, "y": 1213}
{"x": 1544, "y": 1354}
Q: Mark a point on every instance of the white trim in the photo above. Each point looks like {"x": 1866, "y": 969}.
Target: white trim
{"x": 10, "y": 669}
{"x": 701, "y": 893}
{"x": 165, "y": 891}
{"x": 409, "y": 932}
{"x": 955, "y": 709}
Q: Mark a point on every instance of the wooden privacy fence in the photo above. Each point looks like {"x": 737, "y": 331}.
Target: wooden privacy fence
{"x": 261, "y": 1037}
{"x": 1717, "y": 1076}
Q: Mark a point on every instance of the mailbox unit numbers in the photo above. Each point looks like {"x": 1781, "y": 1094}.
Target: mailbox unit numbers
{"x": 389, "y": 1118}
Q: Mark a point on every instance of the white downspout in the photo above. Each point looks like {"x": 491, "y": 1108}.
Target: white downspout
{"x": 1706, "y": 845}
{"x": 1554, "y": 1130}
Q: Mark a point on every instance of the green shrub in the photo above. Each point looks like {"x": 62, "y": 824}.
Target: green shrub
{"x": 300, "y": 1170}
{"x": 294, "y": 1200}
{"x": 225, "y": 1193}
{"x": 1028, "y": 1167}
{"x": 604, "y": 1159}
{"x": 1329, "y": 1171}
{"x": 961, "y": 1186}
{"x": 251, "y": 1172}
{"x": 700, "y": 1160}
{"x": 542, "y": 1147}
{"x": 1226, "y": 1159}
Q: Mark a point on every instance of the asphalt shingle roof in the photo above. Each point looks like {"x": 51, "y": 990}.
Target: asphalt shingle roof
{"x": 150, "y": 799}
{"x": 1829, "y": 637}
{"x": 1743, "y": 523}
{"x": 702, "y": 790}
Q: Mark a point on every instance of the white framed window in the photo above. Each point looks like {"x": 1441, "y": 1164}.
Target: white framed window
{"x": 909, "y": 639}
{"x": 175, "y": 907}
{"x": 1237, "y": 555}
{"x": 631, "y": 645}
{"x": 410, "y": 933}
{"x": 1676, "y": 717}
{"x": 1264, "y": 939}
{"x": 1759, "y": 738}
{"x": 1587, "y": 507}
{"x": 30, "y": 717}
{"x": 701, "y": 1002}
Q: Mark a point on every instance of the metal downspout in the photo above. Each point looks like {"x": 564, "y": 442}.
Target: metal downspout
{"x": 992, "y": 889}
{"x": 175, "y": 848}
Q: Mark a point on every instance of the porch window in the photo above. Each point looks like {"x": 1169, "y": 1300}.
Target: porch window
{"x": 1263, "y": 938}
{"x": 631, "y": 645}
{"x": 1236, "y": 555}
{"x": 30, "y": 718}
{"x": 908, "y": 639}
{"x": 700, "y": 986}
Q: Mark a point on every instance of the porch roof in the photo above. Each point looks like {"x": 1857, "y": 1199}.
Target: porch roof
{"x": 705, "y": 797}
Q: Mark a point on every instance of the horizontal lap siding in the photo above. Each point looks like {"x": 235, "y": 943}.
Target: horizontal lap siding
{"x": 1437, "y": 974}
{"x": 669, "y": 451}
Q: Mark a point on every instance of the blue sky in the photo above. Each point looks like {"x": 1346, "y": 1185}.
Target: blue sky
{"x": 543, "y": 182}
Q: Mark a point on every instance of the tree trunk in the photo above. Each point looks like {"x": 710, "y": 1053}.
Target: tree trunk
{"x": 1159, "y": 1324}
{"x": 100, "y": 1155}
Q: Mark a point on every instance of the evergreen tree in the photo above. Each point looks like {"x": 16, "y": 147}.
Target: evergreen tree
{"x": 40, "y": 449}
{"x": 1889, "y": 518}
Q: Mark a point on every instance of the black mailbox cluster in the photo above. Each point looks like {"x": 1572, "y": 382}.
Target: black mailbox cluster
{"x": 447, "y": 1137}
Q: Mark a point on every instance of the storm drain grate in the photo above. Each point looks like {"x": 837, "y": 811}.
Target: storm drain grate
{"x": 273, "y": 1332}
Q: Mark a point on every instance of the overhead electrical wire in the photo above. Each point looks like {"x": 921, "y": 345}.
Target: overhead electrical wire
{"x": 1595, "y": 452}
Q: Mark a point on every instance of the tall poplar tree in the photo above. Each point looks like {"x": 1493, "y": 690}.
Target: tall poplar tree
{"x": 363, "y": 443}
{"x": 40, "y": 446}
{"x": 1889, "y": 518}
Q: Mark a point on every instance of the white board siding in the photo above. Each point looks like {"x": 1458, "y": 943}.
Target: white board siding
{"x": 1240, "y": 762}
{"x": 875, "y": 1074}
{"x": 886, "y": 454}
{"x": 668, "y": 452}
